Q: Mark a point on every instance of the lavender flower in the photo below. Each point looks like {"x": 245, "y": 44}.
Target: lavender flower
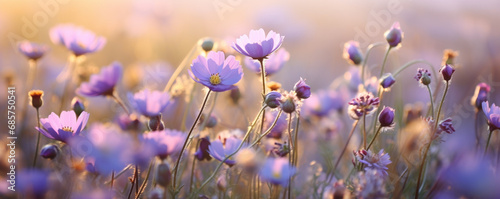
{"x": 223, "y": 147}
{"x": 423, "y": 76}
{"x": 387, "y": 81}
{"x": 374, "y": 161}
{"x": 493, "y": 115}
{"x": 364, "y": 103}
{"x": 273, "y": 99}
{"x": 164, "y": 143}
{"x": 322, "y": 102}
{"x": 149, "y": 103}
{"x": 103, "y": 83}
{"x": 33, "y": 183}
{"x": 302, "y": 90}
{"x": 31, "y": 50}
{"x": 447, "y": 71}
{"x": 446, "y": 126}
{"x": 216, "y": 72}
{"x": 77, "y": 39}
{"x": 273, "y": 64}
{"x": 394, "y": 35}
{"x": 277, "y": 171}
{"x": 352, "y": 53}
{"x": 64, "y": 127}
{"x": 202, "y": 152}
{"x": 480, "y": 95}
{"x": 386, "y": 117}
{"x": 49, "y": 151}
{"x": 258, "y": 45}
{"x": 369, "y": 184}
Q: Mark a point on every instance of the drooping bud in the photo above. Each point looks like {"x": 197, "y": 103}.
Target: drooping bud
{"x": 302, "y": 90}
{"x": 36, "y": 98}
{"x": 394, "y": 36}
{"x": 447, "y": 71}
{"x": 273, "y": 99}
{"x": 77, "y": 106}
{"x": 352, "y": 53}
{"x": 163, "y": 175}
{"x": 386, "y": 117}
{"x": 49, "y": 151}
{"x": 387, "y": 81}
{"x": 480, "y": 95}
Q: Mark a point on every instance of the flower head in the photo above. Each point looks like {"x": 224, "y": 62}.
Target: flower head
{"x": 352, "y": 53}
{"x": 64, "y": 127}
{"x": 273, "y": 99}
{"x": 164, "y": 143}
{"x": 302, "y": 90}
{"x": 31, "y": 50}
{"x": 374, "y": 161}
{"x": 492, "y": 114}
{"x": 78, "y": 40}
{"x": 386, "y": 117}
{"x": 447, "y": 71}
{"x": 77, "y": 106}
{"x": 277, "y": 171}
{"x": 202, "y": 152}
{"x": 102, "y": 83}
{"x": 223, "y": 147}
{"x": 363, "y": 104}
{"x": 387, "y": 81}
{"x": 33, "y": 183}
{"x": 258, "y": 45}
{"x": 423, "y": 76}
{"x": 394, "y": 35}
{"x": 36, "y": 98}
{"x": 290, "y": 102}
{"x": 273, "y": 64}
{"x": 149, "y": 103}
{"x": 480, "y": 95}
{"x": 216, "y": 72}
{"x": 322, "y": 102}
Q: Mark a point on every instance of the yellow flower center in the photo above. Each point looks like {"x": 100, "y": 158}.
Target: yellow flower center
{"x": 215, "y": 79}
{"x": 276, "y": 175}
{"x": 67, "y": 129}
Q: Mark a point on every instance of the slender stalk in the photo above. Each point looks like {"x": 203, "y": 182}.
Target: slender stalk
{"x": 410, "y": 63}
{"x": 38, "y": 137}
{"x": 363, "y": 66}
{"x": 263, "y": 75}
{"x": 268, "y": 130}
{"x": 432, "y": 101}
{"x": 120, "y": 102}
{"x": 345, "y": 146}
{"x": 188, "y": 136}
{"x": 487, "y": 143}
{"x": 385, "y": 60}
{"x": 143, "y": 186}
{"x": 374, "y": 137}
{"x": 179, "y": 69}
{"x": 292, "y": 153}
{"x": 112, "y": 179}
{"x": 476, "y": 131}
{"x": 295, "y": 143}
{"x": 192, "y": 169}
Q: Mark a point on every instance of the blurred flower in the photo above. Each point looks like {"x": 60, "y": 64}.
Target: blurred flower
{"x": 64, "y": 127}
{"x": 94, "y": 194}
{"x": 394, "y": 35}
{"x": 163, "y": 175}
{"x": 277, "y": 171}
{"x": 281, "y": 124}
{"x": 281, "y": 149}
{"x": 302, "y": 90}
{"x": 32, "y": 50}
{"x": 369, "y": 184}
{"x": 290, "y": 102}
{"x": 423, "y": 76}
{"x": 353, "y": 78}
{"x": 273, "y": 86}
{"x": 249, "y": 159}
{"x": 446, "y": 126}
{"x": 493, "y": 115}
{"x": 386, "y": 117}
{"x": 273, "y": 99}
{"x": 235, "y": 95}
{"x": 164, "y": 143}
{"x": 216, "y": 72}
{"x": 480, "y": 95}
{"x": 374, "y": 161}
{"x": 387, "y": 81}
{"x": 322, "y": 102}
{"x": 36, "y": 99}
{"x": 273, "y": 64}
{"x": 449, "y": 56}
{"x": 447, "y": 71}
{"x": 77, "y": 39}
{"x": 33, "y": 183}
{"x": 336, "y": 190}
{"x": 49, "y": 151}
{"x": 103, "y": 83}
{"x": 352, "y": 53}
{"x": 364, "y": 103}
{"x": 202, "y": 152}
{"x": 223, "y": 147}
{"x": 210, "y": 122}
{"x": 258, "y": 45}
{"x": 128, "y": 122}
{"x": 149, "y": 103}
{"x": 371, "y": 85}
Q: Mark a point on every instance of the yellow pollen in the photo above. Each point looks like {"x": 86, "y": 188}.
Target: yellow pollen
{"x": 276, "y": 175}
{"x": 67, "y": 128}
{"x": 215, "y": 79}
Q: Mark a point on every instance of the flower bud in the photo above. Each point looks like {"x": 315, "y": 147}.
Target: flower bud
{"x": 155, "y": 123}
{"x": 386, "y": 117}
{"x": 387, "y": 81}
{"x": 207, "y": 44}
{"x": 210, "y": 123}
{"x": 202, "y": 152}
{"x": 49, "y": 151}
{"x": 36, "y": 98}
{"x": 447, "y": 71}
{"x": 273, "y": 99}
{"x": 77, "y": 106}
{"x": 394, "y": 35}
{"x": 302, "y": 90}
{"x": 281, "y": 149}
{"x": 163, "y": 175}
{"x": 480, "y": 95}
{"x": 288, "y": 105}
{"x": 352, "y": 53}
{"x": 235, "y": 95}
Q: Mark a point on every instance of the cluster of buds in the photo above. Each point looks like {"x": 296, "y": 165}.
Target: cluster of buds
{"x": 289, "y": 102}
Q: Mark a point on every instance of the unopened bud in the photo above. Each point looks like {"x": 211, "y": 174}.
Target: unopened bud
{"x": 163, "y": 175}
{"x": 49, "y": 151}
{"x": 273, "y": 99}
{"x": 155, "y": 123}
{"x": 36, "y": 98}
{"x": 207, "y": 44}
{"x": 77, "y": 106}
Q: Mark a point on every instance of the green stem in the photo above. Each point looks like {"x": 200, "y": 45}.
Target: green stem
{"x": 363, "y": 66}
{"x": 290, "y": 159}
{"x": 385, "y": 60}
{"x": 192, "y": 169}
{"x": 120, "y": 102}
{"x": 176, "y": 168}
{"x": 345, "y": 146}
{"x": 374, "y": 137}
{"x": 263, "y": 75}
{"x": 295, "y": 142}
{"x": 432, "y": 101}
{"x": 364, "y": 130}
{"x": 38, "y": 137}
{"x": 143, "y": 186}
{"x": 268, "y": 130}
{"x": 487, "y": 143}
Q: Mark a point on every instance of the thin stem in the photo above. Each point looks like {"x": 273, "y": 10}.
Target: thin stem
{"x": 179, "y": 69}
{"x": 345, "y": 146}
{"x": 38, "y": 137}
{"x": 363, "y": 66}
{"x": 364, "y": 130}
{"x": 374, "y": 137}
{"x": 292, "y": 153}
{"x": 268, "y": 130}
{"x": 263, "y": 75}
{"x": 192, "y": 169}
{"x": 432, "y": 101}
{"x": 487, "y": 142}
{"x": 385, "y": 60}
{"x": 112, "y": 179}
{"x": 476, "y": 124}
{"x": 143, "y": 186}
{"x": 189, "y": 135}
{"x": 212, "y": 107}
{"x": 120, "y": 102}
{"x": 295, "y": 144}
{"x": 410, "y": 63}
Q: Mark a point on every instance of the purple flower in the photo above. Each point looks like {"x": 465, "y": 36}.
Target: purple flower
{"x": 102, "y": 83}
{"x": 364, "y": 103}
{"x": 446, "y": 126}
{"x": 281, "y": 149}
{"x": 322, "y": 102}
{"x": 423, "y": 76}
{"x": 280, "y": 126}
{"x": 386, "y": 117}
{"x": 164, "y": 143}
{"x": 493, "y": 115}
{"x": 480, "y": 95}
{"x": 290, "y": 102}
{"x": 49, "y": 151}
{"x": 258, "y": 45}
{"x": 352, "y": 53}
{"x": 77, "y": 39}
{"x": 277, "y": 171}
{"x": 302, "y": 90}
{"x": 374, "y": 161}
{"x": 32, "y": 50}
{"x": 149, "y": 103}
{"x": 387, "y": 81}
{"x": 273, "y": 99}
{"x": 447, "y": 71}
{"x": 273, "y": 64}
{"x": 64, "y": 127}
{"x": 223, "y": 147}
{"x": 33, "y": 183}
{"x": 394, "y": 35}
{"x": 216, "y": 72}
{"x": 202, "y": 152}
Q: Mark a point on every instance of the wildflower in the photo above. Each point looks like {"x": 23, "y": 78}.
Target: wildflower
{"x": 202, "y": 152}
{"x": 77, "y": 106}
{"x": 423, "y": 76}
{"x": 277, "y": 171}
{"x": 363, "y": 104}
{"x": 64, "y": 127}
{"x": 77, "y": 39}
{"x": 446, "y": 126}
{"x": 369, "y": 184}
{"x": 394, "y": 35}
{"x": 36, "y": 98}
{"x": 273, "y": 99}
{"x": 302, "y": 90}
{"x": 447, "y": 71}
{"x": 273, "y": 64}
{"x": 353, "y": 78}
{"x": 49, "y": 151}
{"x": 290, "y": 102}
{"x": 216, "y": 72}
{"x": 164, "y": 143}
{"x": 386, "y": 117}
{"x": 281, "y": 124}
{"x": 258, "y": 45}
{"x": 103, "y": 83}
{"x": 492, "y": 114}
{"x": 31, "y": 50}
{"x": 33, "y": 183}
{"x": 352, "y": 53}
{"x": 149, "y": 103}
{"x": 223, "y": 147}
{"x": 480, "y": 95}
{"x": 281, "y": 149}
{"x": 322, "y": 102}
{"x": 387, "y": 81}
{"x": 249, "y": 159}
{"x": 163, "y": 175}
{"x": 374, "y": 161}
{"x": 128, "y": 122}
